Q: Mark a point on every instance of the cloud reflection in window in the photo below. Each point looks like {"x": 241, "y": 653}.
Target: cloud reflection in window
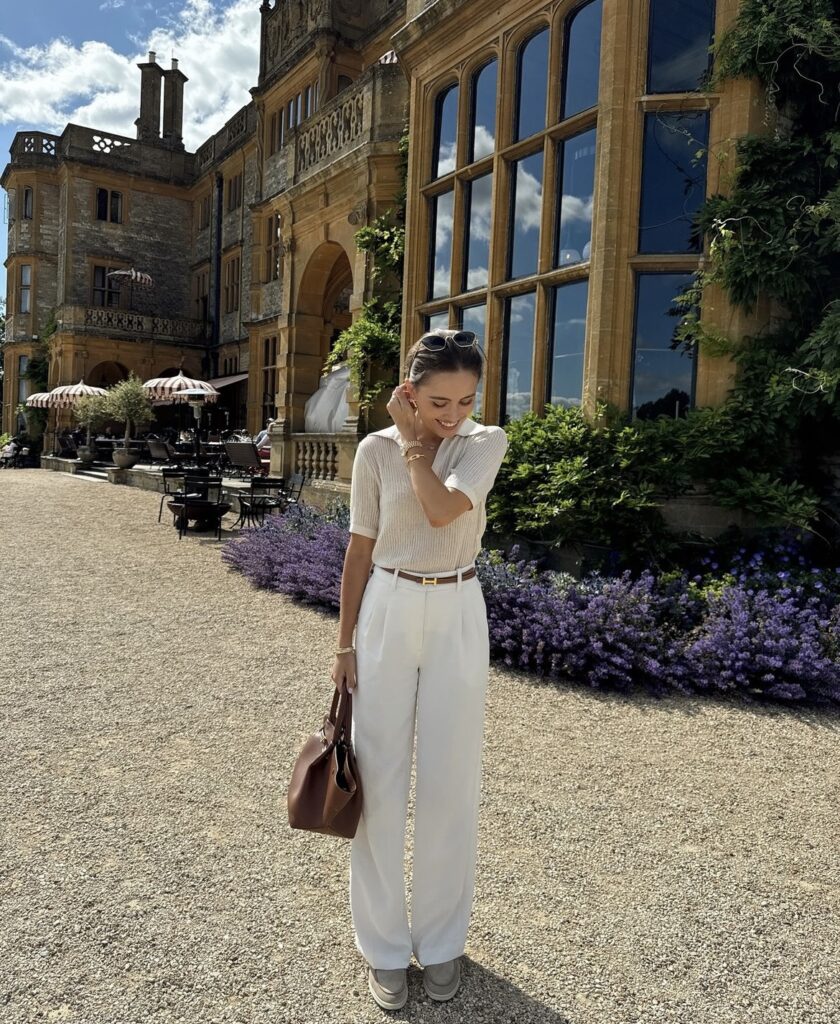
{"x": 526, "y": 210}
{"x": 442, "y": 245}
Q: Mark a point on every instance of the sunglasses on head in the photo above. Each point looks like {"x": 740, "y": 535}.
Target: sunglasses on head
{"x": 436, "y": 341}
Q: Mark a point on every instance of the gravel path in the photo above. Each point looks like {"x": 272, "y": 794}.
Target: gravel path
{"x": 640, "y": 861}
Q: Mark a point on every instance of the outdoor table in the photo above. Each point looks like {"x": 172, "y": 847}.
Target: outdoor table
{"x": 205, "y": 513}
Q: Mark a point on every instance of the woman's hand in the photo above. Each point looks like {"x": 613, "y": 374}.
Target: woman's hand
{"x": 344, "y": 670}
{"x": 403, "y": 413}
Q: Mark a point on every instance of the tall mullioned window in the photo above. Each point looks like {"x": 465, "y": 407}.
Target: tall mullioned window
{"x": 105, "y": 290}
{"x": 234, "y": 192}
{"x": 505, "y": 257}
{"x": 673, "y": 188}
{"x": 231, "y": 273}
{"x": 23, "y": 383}
{"x": 25, "y": 289}
{"x": 109, "y": 205}
{"x": 272, "y": 247}
{"x": 270, "y": 349}
{"x": 204, "y": 212}
{"x": 673, "y": 180}
{"x": 663, "y": 373}
{"x": 679, "y": 37}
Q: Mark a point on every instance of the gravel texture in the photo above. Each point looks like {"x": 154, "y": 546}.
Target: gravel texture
{"x": 640, "y": 861}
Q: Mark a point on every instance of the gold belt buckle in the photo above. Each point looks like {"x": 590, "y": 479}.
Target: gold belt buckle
{"x": 429, "y": 579}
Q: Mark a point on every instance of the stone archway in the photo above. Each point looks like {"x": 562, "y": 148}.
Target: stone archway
{"x": 322, "y": 312}
{"x": 106, "y": 374}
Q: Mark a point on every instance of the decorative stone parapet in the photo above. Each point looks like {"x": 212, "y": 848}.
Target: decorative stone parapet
{"x": 369, "y": 110}
{"x": 99, "y": 319}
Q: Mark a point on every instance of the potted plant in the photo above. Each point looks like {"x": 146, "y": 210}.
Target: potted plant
{"x": 128, "y": 403}
{"x": 91, "y": 412}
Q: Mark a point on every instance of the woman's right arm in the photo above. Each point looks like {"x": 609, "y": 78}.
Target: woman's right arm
{"x": 354, "y": 578}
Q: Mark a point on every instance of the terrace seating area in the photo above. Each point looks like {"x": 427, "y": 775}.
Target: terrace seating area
{"x": 204, "y": 484}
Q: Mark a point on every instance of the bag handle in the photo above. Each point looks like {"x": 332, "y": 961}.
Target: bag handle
{"x": 341, "y": 713}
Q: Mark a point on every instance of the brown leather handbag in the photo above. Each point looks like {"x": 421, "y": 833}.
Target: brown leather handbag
{"x": 325, "y": 793}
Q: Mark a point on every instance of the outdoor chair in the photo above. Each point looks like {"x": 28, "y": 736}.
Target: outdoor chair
{"x": 266, "y": 495}
{"x": 159, "y": 453}
{"x": 202, "y": 501}
{"x": 180, "y": 481}
{"x": 173, "y": 484}
{"x": 292, "y": 495}
{"x": 244, "y": 457}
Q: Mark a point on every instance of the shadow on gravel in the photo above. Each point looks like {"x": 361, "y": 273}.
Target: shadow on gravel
{"x": 484, "y": 998}
{"x": 824, "y": 717}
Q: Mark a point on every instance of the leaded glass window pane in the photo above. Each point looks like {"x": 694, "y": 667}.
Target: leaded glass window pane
{"x": 446, "y": 132}
{"x": 519, "y": 355}
{"x": 576, "y": 159}
{"x": 478, "y": 194}
{"x": 531, "y": 85}
{"x": 483, "y": 121}
{"x": 441, "y": 235}
{"x": 473, "y": 318}
{"x": 678, "y": 48}
{"x": 526, "y": 209}
{"x": 438, "y": 321}
{"x": 583, "y": 60}
{"x": 673, "y": 181}
{"x": 567, "y": 344}
{"x": 663, "y": 376}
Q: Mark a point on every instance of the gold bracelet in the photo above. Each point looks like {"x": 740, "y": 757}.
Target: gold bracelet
{"x": 345, "y": 650}
{"x": 417, "y": 455}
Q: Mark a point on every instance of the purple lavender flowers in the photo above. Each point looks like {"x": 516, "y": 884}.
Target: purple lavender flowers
{"x": 745, "y": 627}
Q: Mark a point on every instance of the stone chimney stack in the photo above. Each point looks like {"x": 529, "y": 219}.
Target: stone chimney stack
{"x": 148, "y": 123}
{"x": 173, "y": 106}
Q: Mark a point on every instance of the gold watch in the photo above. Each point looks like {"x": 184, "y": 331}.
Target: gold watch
{"x": 406, "y": 446}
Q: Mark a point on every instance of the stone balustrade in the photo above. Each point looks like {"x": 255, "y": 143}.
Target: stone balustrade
{"x": 112, "y": 321}
{"x": 372, "y": 106}
{"x": 34, "y": 144}
{"x": 316, "y": 455}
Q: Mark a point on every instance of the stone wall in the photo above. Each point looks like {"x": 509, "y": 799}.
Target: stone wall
{"x": 148, "y": 240}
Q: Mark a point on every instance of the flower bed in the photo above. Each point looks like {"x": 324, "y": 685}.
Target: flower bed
{"x": 743, "y": 628}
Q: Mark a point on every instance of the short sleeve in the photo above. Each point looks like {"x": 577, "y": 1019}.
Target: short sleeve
{"x": 364, "y": 493}
{"x": 475, "y": 471}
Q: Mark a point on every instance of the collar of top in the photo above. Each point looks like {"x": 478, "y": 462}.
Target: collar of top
{"x": 468, "y": 426}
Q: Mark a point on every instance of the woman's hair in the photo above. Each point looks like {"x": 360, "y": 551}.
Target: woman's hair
{"x": 420, "y": 363}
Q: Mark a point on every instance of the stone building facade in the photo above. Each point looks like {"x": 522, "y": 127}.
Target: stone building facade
{"x": 558, "y": 150}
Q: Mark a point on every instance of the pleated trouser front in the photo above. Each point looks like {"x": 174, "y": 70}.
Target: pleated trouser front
{"x": 422, "y": 654}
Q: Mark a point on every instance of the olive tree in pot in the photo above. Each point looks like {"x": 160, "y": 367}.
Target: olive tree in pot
{"x": 128, "y": 403}
{"x": 91, "y": 412}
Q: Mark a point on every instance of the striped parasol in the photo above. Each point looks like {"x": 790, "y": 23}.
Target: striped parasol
{"x": 138, "y": 277}
{"x": 40, "y": 400}
{"x": 180, "y": 389}
{"x": 68, "y": 394}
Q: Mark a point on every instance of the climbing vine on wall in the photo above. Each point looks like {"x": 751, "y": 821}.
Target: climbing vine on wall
{"x": 776, "y": 235}
{"x": 371, "y": 345}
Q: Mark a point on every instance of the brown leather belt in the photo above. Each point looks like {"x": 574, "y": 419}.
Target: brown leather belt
{"x": 433, "y": 580}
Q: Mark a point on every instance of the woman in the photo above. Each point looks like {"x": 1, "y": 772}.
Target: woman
{"x": 417, "y": 516}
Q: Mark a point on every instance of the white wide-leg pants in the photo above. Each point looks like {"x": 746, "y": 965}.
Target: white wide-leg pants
{"x": 424, "y": 650}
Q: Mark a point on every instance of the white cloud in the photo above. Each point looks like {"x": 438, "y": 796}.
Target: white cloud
{"x": 45, "y": 87}
{"x": 111, "y": 5}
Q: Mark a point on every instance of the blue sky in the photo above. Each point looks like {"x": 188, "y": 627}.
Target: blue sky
{"x": 63, "y": 61}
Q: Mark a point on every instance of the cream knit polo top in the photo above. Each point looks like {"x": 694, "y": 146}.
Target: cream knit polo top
{"x": 384, "y": 507}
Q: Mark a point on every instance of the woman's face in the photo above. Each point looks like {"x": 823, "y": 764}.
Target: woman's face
{"x": 444, "y": 400}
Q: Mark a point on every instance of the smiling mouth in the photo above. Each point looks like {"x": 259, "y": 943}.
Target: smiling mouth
{"x": 447, "y": 426}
